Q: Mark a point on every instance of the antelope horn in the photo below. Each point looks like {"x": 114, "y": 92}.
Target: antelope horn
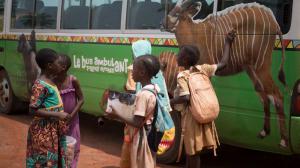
{"x": 187, "y": 3}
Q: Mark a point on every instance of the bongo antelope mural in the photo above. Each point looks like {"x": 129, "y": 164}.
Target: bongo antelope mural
{"x": 28, "y": 50}
{"x": 251, "y": 51}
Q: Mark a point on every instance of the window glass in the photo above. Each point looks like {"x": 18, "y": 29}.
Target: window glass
{"x": 106, "y": 14}
{"x": 2, "y": 2}
{"x": 76, "y": 14}
{"x": 145, "y": 14}
{"x": 46, "y": 14}
{"x": 282, "y": 9}
{"x": 207, "y": 7}
{"x": 22, "y": 14}
{"x": 29, "y": 14}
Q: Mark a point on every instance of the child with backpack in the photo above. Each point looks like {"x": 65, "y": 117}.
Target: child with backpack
{"x": 140, "y": 124}
{"x": 198, "y": 135}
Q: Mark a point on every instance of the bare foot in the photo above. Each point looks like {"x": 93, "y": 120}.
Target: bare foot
{"x": 262, "y": 134}
{"x": 283, "y": 143}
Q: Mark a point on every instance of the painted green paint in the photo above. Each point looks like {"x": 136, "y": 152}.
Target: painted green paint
{"x": 241, "y": 116}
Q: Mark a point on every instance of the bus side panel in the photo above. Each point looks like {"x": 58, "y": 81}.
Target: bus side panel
{"x": 293, "y": 72}
{"x": 14, "y": 65}
{"x": 295, "y": 134}
{"x": 98, "y": 67}
{"x": 241, "y": 117}
{"x": 2, "y": 54}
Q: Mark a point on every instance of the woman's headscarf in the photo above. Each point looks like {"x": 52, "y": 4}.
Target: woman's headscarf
{"x": 141, "y": 47}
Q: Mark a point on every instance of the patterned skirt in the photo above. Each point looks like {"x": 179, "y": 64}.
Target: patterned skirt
{"x": 46, "y": 144}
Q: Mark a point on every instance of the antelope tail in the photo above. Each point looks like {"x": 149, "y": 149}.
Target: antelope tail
{"x": 281, "y": 75}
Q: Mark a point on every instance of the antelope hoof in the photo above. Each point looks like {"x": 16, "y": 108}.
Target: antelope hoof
{"x": 283, "y": 144}
{"x": 262, "y": 134}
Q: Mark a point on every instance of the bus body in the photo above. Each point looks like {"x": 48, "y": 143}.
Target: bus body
{"x": 97, "y": 35}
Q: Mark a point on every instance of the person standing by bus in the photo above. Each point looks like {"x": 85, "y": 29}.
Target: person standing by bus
{"x": 139, "y": 48}
{"x": 139, "y": 124}
{"x": 196, "y": 136}
{"x": 46, "y": 140}
{"x": 72, "y": 98}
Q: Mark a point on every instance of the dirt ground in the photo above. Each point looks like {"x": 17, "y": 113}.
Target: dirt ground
{"x": 100, "y": 145}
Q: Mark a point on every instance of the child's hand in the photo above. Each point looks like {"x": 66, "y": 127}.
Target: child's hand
{"x": 110, "y": 113}
{"x": 231, "y": 35}
{"x": 62, "y": 115}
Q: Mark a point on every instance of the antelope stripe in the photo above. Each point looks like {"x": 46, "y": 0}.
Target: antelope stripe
{"x": 169, "y": 70}
{"x": 224, "y": 29}
{"x": 211, "y": 45}
{"x": 206, "y": 43}
{"x": 233, "y": 48}
{"x": 261, "y": 37}
{"x": 242, "y": 47}
{"x": 253, "y": 36}
{"x": 247, "y": 31}
{"x": 268, "y": 41}
{"x": 238, "y": 39}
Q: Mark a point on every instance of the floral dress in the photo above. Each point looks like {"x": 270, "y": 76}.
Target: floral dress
{"x": 46, "y": 141}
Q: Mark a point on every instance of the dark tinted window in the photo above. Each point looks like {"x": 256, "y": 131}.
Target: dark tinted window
{"x": 145, "y": 14}
{"x": 2, "y": 2}
{"x": 29, "y": 14}
{"x": 91, "y": 14}
{"x": 282, "y": 9}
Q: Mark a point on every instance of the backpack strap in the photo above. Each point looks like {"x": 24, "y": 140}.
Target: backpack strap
{"x": 147, "y": 117}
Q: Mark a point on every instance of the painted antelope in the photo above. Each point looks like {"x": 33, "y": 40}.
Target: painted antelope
{"x": 251, "y": 51}
{"x": 28, "y": 50}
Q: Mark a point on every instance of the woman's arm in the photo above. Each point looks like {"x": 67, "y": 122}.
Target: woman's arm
{"x": 79, "y": 95}
{"x": 228, "y": 41}
{"x": 49, "y": 114}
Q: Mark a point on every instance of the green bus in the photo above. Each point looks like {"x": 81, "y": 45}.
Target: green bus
{"x": 97, "y": 35}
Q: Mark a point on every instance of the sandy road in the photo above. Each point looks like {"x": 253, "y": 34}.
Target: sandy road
{"x": 100, "y": 147}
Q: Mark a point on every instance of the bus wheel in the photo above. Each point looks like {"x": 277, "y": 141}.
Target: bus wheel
{"x": 6, "y": 94}
{"x": 170, "y": 156}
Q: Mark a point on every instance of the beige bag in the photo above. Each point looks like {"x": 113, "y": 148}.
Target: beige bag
{"x": 141, "y": 156}
{"x": 204, "y": 103}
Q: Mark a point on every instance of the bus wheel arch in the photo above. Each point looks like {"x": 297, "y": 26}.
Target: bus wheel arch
{"x": 7, "y": 97}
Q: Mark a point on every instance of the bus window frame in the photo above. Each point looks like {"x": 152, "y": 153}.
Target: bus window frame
{"x": 13, "y": 30}
{"x": 103, "y": 32}
{"x": 4, "y": 16}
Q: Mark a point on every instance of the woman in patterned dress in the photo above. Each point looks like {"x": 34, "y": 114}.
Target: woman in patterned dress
{"x": 46, "y": 141}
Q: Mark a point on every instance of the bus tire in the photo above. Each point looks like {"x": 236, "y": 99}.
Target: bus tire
{"x": 7, "y": 97}
{"x": 170, "y": 156}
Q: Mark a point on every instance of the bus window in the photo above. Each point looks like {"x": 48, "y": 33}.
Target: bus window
{"x": 106, "y": 15}
{"x": 145, "y": 14}
{"x": 23, "y": 12}
{"x": 207, "y": 7}
{"x": 46, "y": 12}
{"x": 76, "y": 14}
{"x": 1, "y": 14}
{"x": 282, "y": 9}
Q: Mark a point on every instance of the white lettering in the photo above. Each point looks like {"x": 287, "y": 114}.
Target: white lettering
{"x": 103, "y": 64}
